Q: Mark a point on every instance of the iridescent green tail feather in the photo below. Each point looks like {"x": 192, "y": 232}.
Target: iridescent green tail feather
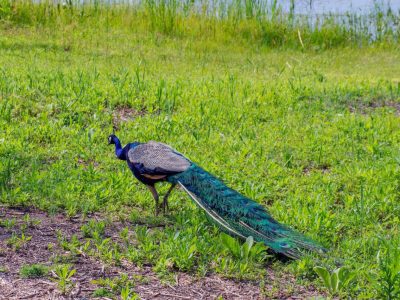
{"x": 239, "y": 215}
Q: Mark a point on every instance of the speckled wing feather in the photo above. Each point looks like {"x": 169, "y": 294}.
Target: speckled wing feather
{"x": 157, "y": 159}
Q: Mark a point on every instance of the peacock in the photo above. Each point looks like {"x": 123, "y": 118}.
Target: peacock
{"x": 234, "y": 213}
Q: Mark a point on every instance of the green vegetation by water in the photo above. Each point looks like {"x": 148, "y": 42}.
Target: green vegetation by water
{"x": 243, "y": 21}
{"x": 309, "y": 129}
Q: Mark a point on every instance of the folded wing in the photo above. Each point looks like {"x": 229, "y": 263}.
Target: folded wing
{"x": 154, "y": 158}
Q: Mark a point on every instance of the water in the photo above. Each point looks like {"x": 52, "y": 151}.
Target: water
{"x": 359, "y": 15}
{"x": 372, "y": 17}
{"x": 319, "y": 7}
{"x": 306, "y": 7}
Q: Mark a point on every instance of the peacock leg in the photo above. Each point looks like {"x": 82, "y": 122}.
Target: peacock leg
{"x": 155, "y": 195}
{"x": 165, "y": 200}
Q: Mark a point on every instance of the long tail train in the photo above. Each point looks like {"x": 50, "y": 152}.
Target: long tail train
{"x": 241, "y": 216}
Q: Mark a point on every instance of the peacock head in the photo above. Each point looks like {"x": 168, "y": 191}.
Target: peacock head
{"x": 112, "y": 138}
{"x": 119, "y": 152}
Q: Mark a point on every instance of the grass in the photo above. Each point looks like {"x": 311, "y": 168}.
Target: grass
{"x": 33, "y": 271}
{"x": 242, "y": 21}
{"x": 311, "y": 133}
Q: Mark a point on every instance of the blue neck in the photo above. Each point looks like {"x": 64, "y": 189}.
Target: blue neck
{"x": 119, "y": 152}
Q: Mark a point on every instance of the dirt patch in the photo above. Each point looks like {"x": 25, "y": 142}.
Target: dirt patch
{"x": 126, "y": 114}
{"x": 44, "y": 248}
{"x": 324, "y": 168}
{"x": 87, "y": 162}
{"x": 367, "y": 107}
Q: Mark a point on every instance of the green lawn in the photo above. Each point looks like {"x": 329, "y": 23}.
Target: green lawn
{"x": 312, "y": 135}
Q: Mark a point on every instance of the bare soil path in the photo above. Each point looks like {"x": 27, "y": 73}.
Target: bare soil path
{"x": 44, "y": 248}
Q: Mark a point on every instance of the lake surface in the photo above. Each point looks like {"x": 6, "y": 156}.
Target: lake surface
{"x": 339, "y": 6}
{"x": 308, "y": 7}
{"x": 313, "y": 7}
